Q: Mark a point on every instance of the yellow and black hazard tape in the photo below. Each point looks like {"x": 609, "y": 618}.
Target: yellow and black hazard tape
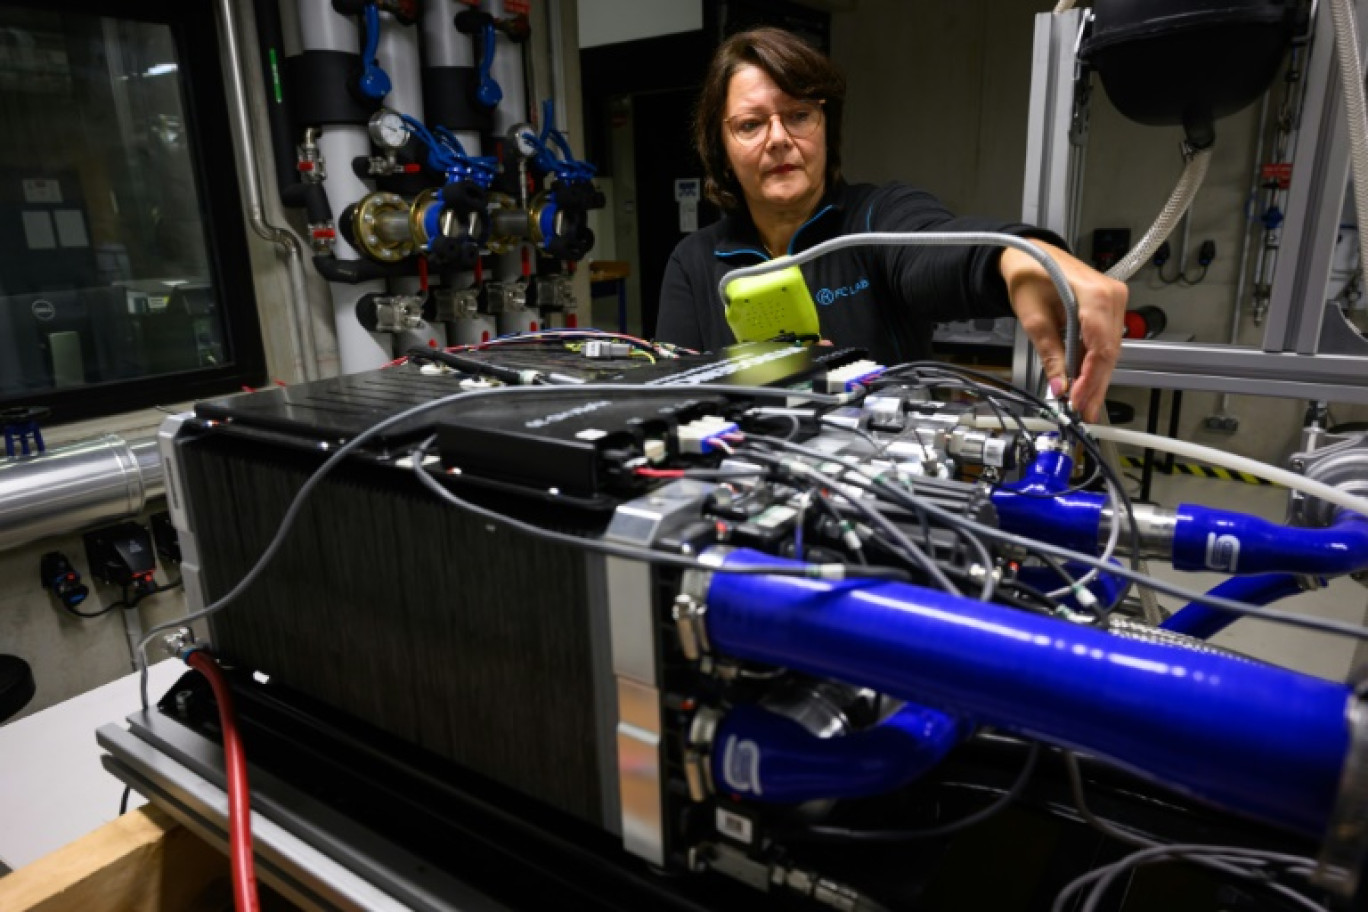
{"x": 1199, "y": 471}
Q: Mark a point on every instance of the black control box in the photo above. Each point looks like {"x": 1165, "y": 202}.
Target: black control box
{"x": 121, "y": 555}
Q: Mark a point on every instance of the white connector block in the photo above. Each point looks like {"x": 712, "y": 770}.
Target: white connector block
{"x": 845, "y": 379}
{"x": 700, "y": 436}
{"x": 600, "y": 348}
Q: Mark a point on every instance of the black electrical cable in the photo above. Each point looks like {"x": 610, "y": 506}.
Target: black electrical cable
{"x": 1039, "y": 547}
{"x": 905, "y": 547}
{"x": 1195, "y": 854}
{"x": 1228, "y": 860}
{"x": 860, "y": 432}
{"x": 1042, "y": 603}
{"x": 1067, "y": 578}
{"x": 794, "y": 424}
{"x": 857, "y": 479}
{"x": 89, "y": 615}
{"x": 984, "y": 394}
{"x": 468, "y": 365}
{"x": 615, "y": 549}
{"x": 1070, "y": 430}
{"x": 137, "y": 599}
{"x": 825, "y": 502}
{"x": 843, "y": 834}
{"x": 1197, "y": 281}
{"x": 123, "y": 602}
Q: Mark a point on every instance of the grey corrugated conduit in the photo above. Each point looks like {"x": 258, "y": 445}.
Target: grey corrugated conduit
{"x": 1356, "y": 108}
{"x": 1194, "y": 172}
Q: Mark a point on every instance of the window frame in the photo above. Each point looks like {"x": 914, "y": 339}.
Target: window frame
{"x": 195, "y": 36}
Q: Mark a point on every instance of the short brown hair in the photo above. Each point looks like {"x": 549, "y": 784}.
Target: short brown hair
{"x": 796, "y": 67}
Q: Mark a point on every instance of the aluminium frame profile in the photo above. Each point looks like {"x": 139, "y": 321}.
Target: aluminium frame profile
{"x": 1304, "y": 354}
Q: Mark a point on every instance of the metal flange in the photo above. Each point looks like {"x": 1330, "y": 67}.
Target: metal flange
{"x": 380, "y": 225}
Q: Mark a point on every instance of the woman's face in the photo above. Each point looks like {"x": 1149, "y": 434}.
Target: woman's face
{"x": 779, "y": 173}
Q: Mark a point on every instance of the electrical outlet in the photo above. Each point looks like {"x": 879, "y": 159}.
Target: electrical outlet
{"x": 1226, "y": 424}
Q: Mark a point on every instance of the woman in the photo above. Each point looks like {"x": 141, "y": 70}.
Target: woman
{"x": 768, "y": 129}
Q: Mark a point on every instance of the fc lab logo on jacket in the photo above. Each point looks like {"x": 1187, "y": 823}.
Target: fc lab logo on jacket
{"x": 828, "y": 296}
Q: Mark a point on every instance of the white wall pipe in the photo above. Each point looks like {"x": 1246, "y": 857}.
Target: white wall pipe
{"x": 321, "y": 28}
{"x": 444, "y": 46}
{"x": 398, "y": 55}
{"x": 509, "y": 72}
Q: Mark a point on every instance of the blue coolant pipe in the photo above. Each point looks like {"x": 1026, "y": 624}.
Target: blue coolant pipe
{"x": 1203, "y": 538}
{"x": 763, "y": 756}
{"x": 1257, "y": 739}
{"x": 1034, "y": 505}
{"x": 1207, "y": 539}
{"x": 1202, "y": 621}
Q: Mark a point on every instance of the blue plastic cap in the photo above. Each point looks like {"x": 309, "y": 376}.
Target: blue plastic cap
{"x": 375, "y": 83}
{"x": 489, "y": 94}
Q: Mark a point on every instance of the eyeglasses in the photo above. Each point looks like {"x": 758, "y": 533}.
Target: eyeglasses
{"x": 800, "y": 122}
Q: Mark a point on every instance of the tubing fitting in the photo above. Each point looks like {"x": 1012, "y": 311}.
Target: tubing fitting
{"x": 380, "y": 226}
{"x": 1345, "y": 848}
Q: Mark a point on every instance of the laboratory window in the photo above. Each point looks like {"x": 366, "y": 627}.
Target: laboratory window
{"x": 123, "y": 271}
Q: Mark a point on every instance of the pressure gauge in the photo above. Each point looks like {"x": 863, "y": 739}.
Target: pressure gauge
{"x": 387, "y": 129}
{"x": 525, "y": 139}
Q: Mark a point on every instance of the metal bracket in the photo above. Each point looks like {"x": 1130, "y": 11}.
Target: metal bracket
{"x": 1346, "y": 841}
{"x": 689, "y": 617}
{"x": 698, "y": 753}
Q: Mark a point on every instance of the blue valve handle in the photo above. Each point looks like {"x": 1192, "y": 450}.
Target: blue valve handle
{"x": 375, "y": 82}
{"x": 488, "y": 93}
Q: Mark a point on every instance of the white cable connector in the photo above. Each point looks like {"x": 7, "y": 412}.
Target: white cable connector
{"x": 598, "y": 348}
{"x": 702, "y": 435}
{"x": 1084, "y": 596}
{"x": 845, "y": 379}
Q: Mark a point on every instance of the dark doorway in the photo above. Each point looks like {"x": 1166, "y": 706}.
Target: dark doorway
{"x": 664, "y": 154}
{"x": 661, "y": 77}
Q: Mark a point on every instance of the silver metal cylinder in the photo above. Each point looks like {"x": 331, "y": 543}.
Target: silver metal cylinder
{"x": 1154, "y": 526}
{"x": 97, "y": 480}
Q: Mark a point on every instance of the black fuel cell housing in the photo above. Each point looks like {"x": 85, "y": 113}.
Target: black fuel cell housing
{"x": 576, "y": 444}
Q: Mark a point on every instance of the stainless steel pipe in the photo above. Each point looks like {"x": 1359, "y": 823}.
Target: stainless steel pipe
{"x": 98, "y": 480}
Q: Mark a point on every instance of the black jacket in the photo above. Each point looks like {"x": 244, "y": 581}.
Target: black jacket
{"x": 882, "y": 299}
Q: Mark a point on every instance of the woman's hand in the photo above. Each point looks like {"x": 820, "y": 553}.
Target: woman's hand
{"x": 1101, "y": 311}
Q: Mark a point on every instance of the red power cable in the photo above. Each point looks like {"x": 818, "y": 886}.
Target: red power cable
{"x": 239, "y": 796}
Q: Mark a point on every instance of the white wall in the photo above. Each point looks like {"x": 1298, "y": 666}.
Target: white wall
{"x": 937, "y": 97}
{"x": 614, "y": 21}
